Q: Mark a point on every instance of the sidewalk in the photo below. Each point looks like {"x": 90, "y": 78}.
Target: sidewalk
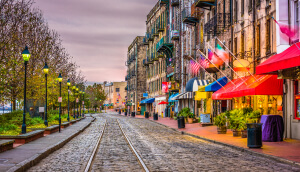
{"x": 288, "y": 149}
{"x": 23, "y": 157}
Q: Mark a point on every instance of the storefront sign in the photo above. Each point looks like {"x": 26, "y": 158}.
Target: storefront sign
{"x": 145, "y": 94}
{"x": 165, "y": 87}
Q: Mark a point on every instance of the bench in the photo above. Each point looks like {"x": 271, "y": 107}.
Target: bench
{"x": 25, "y": 138}
{"x": 51, "y": 129}
{"x": 65, "y": 125}
{"x": 6, "y": 145}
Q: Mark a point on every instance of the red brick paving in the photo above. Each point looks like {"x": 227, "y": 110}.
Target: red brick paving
{"x": 288, "y": 149}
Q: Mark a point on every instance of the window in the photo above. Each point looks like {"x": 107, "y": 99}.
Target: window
{"x": 249, "y": 5}
{"x": 268, "y": 37}
{"x": 235, "y": 10}
{"x": 235, "y": 46}
{"x": 117, "y": 90}
{"x": 296, "y": 11}
{"x": 243, "y": 45}
{"x": 242, "y": 7}
{"x": 257, "y": 41}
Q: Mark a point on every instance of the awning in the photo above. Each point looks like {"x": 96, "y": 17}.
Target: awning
{"x": 193, "y": 84}
{"x": 185, "y": 95}
{"x": 287, "y": 59}
{"x": 265, "y": 85}
{"x": 215, "y": 86}
{"x": 202, "y": 95}
{"x": 150, "y": 100}
{"x": 172, "y": 96}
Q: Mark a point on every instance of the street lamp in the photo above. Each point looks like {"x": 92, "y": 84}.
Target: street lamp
{"x": 83, "y": 103}
{"x": 74, "y": 89}
{"x": 80, "y": 94}
{"x": 69, "y": 84}
{"x": 78, "y": 101}
{"x": 59, "y": 119}
{"x": 26, "y": 56}
{"x": 46, "y": 70}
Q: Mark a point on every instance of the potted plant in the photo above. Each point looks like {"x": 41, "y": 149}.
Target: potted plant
{"x": 190, "y": 117}
{"x": 234, "y": 122}
{"x": 220, "y": 122}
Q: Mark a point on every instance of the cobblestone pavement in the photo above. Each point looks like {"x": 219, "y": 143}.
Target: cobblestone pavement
{"x": 161, "y": 149}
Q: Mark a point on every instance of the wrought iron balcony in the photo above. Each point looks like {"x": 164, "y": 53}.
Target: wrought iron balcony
{"x": 164, "y": 45}
{"x": 191, "y": 15}
{"x": 175, "y": 35}
{"x": 145, "y": 62}
{"x": 163, "y": 1}
{"x": 174, "y": 3}
{"x": 217, "y": 24}
{"x": 160, "y": 27}
{"x": 154, "y": 32}
{"x": 205, "y": 4}
{"x": 149, "y": 61}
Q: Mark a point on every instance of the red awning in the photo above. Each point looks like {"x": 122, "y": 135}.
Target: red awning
{"x": 247, "y": 86}
{"x": 287, "y": 59}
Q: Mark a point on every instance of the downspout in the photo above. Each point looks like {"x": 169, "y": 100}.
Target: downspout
{"x": 136, "y": 78}
{"x": 181, "y": 44}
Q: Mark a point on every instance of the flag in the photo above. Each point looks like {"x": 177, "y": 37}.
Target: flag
{"x": 286, "y": 29}
{"x": 204, "y": 62}
{"x": 194, "y": 66}
{"x": 222, "y": 54}
{"x": 210, "y": 54}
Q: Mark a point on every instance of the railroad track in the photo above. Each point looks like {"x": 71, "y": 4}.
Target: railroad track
{"x": 92, "y": 159}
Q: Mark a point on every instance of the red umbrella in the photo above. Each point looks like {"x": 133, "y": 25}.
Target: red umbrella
{"x": 163, "y": 103}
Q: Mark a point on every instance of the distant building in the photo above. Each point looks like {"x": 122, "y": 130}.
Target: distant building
{"x": 116, "y": 95}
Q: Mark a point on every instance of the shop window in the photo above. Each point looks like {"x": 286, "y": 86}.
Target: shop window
{"x": 297, "y": 100}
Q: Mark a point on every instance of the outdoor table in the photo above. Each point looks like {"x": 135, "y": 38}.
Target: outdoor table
{"x": 272, "y": 128}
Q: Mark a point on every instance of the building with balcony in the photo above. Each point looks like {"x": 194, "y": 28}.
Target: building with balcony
{"x": 136, "y": 76}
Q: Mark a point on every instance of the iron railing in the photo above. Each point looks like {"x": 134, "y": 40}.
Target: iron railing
{"x": 217, "y": 23}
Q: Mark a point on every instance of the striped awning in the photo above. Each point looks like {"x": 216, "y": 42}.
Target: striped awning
{"x": 193, "y": 84}
{"x": 185, "y": 95}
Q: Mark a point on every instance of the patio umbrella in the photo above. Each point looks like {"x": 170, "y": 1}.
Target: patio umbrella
{"x": 163, "y": 103}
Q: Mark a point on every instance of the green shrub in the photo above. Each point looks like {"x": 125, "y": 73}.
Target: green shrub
{"x": 220, "y": 120}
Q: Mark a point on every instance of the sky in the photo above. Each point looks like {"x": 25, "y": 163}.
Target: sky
{"x": 97, "y": 33}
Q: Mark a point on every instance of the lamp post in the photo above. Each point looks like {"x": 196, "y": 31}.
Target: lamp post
{"x": 83, "y": 103}
{"x": 59, "y": 119}
{"x": 69, "y": 84}
{"x": 46, "y": 70}
{"x": 26, "y": 56}
{"x": 78, "y": 101}
{"x": 74, "y": 89}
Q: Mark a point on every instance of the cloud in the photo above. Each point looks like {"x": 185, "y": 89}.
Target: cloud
{"x": 97, "y": 33}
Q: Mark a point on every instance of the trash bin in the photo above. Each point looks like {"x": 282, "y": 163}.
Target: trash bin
{"x": 166, "y": 112}
{"x": 146, "y": 114}
{"x": 155, "y": 116}
{"x": 133, "y": 114}
{"x": 125, "y": 113}
{"x": 254, "y": 135}
{"x": 119, "y": 111}
{"x": 180, "y": 121}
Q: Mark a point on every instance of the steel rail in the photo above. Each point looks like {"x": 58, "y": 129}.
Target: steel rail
{"x": 140, "y": 160}
{"x": 89, "y": 164}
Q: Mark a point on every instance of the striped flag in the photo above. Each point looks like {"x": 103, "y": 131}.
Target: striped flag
{"x": 204, "y": 63}
{"x": 194, "y": 66}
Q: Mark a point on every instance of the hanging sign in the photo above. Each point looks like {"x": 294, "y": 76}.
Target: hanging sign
{"x": 165, "y": 87}
{"x": 145, "y": 94}
{"x": 77, "y": 100}
{"x": 83, "y": 102}
{"x": 59, "y": 99}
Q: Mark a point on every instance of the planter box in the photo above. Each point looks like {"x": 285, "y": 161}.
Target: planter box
{"x": 6, "y": 145}
{"x": 51, "y": 129}
{"x": 25, "y": 138}
{"x": 72, "y": 122}
{"x": 65, "y": 125}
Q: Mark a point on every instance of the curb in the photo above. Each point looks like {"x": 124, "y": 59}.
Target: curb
{"x": 25, "y": 165}
{"x": 249, "y": 151}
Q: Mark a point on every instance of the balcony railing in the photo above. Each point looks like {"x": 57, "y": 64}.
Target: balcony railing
{"x": 191, "y": 15}
{"x": 217, "y": 24}
{"x": 206, "y": 4}
{"x": 160, "y": 27}
{"x": 164, "y": 1}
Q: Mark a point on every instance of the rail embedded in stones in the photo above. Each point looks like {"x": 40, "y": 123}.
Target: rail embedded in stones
{"x": 25, "y": 138}
{"x": 6, "y": 145}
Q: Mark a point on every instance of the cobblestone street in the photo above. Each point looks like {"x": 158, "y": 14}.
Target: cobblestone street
{"x": 161, "y": 149}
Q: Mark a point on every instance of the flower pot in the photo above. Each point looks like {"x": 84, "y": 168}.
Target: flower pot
{"x": 236, "y": 133}
{"x": 244, "y": 133}
{"x": 190, "y": 120}
{"x": 222, "y": 130}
